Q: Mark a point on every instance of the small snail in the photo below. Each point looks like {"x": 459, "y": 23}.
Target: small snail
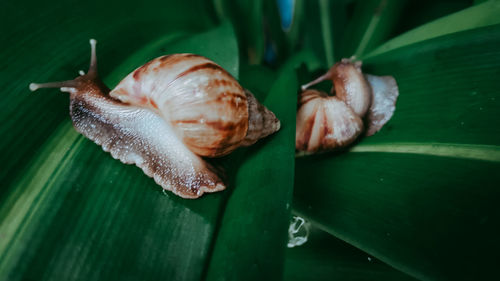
{"x": 328, "y": 122}
{"x": 166, "y": 115}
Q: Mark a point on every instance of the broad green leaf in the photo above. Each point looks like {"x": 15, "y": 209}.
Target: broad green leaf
{"x": 418, "y": 13}
{"x": 251, "y": 241}
{"x": 258, "y": 79}
{"x": 481, "y": 15}
{"x": 324, "y": 257}
{"x": 450, "y": 95}
{"x": 48, "y": 42}
{"x": 78, "y": 214}
{"x": 421, "y": 194}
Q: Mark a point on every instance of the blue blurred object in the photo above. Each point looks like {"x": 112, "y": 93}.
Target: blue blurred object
{"x": 270, "y": 53}
{"x": 286, "y": 13}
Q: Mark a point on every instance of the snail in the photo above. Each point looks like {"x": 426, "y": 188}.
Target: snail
{"x": 358, "y": 103}
{"x": 166, "y": 115}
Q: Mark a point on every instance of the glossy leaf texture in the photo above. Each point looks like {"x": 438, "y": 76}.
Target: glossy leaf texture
{"x": 251, "y": 241}
{"x": 74, "y": 213}
{"x": 77, "y": 213}
{"x": 324, "y": 257}
{"x": 421, "y": 194}
{"x": 47, "y": 42}
{"x": 484, "y": 14}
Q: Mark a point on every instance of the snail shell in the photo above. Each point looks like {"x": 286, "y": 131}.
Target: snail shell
{"x": 324, "y": 122}
{"x": 329, "y": 122}
{"x": 165, "y": 115}
{"x": 207, "y": 108}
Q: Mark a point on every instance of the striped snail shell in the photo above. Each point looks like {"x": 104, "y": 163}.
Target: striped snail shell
{"x": 324, "y": 122}
{"x": 166, "y": 115}
{"x": 358, "y": 103}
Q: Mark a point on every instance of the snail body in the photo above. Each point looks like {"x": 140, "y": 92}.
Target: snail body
{"x": 357, "y": 103}
{"x": 166, "y": 115}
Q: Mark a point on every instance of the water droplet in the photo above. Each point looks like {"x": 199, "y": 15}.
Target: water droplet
{"x": 298, "y": 231}
{"x": 369, "y": 259}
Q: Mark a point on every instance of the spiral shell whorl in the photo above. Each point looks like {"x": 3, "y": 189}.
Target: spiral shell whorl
{"x": 207, "y": 108}
{"x": 324, "y": 123}
{"x": 261, "y": 121}
{"x": 204, "y": 104}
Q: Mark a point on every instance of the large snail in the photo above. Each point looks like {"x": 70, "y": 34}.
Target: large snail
{"x": 357, "y": 103}
{"x": 166, "y": 115}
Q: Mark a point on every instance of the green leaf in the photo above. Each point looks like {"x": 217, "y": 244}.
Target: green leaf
{"x": 251, "y": 241}
{"x": 76, "y": 213}
{"x": 418, "y": 13}
{"x": 450, "y": 95}
{"x": 45, "y": 42}
{"x": 324, "y": 257}
{"x": 421, "y": 194}
{"x": 258, "y": 79}
{"x": 476, "y": 16}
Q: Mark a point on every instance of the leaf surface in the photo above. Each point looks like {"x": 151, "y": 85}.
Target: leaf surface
{"x": 78, "y": 214}
{"x": 421, "y": 194}
{"x": 324, "y": 257}
{"x": 251, "y": 241}
{"x": 480, "y": 15}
